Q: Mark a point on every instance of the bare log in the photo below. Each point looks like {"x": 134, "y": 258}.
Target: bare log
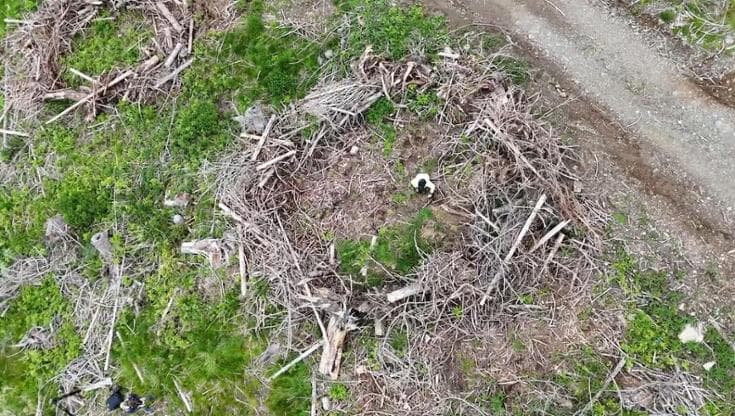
{"x": 403, "y": 293}
{"x": 172, "y": 56}
{"x": 170, "y": 17}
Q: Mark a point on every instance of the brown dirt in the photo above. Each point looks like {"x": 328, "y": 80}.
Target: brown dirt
{"x": 722, "y": 89}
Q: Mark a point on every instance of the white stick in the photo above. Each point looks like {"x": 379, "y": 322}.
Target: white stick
{"x": 263, "y": 138}
{"x": 172, "y": 56}
{"x": 548, "y": 235}
{"x": 83, "y": 76}
{"x": 525, "y": 228}
{"x": 403, "y": 293}
{"x": 114, "y": 318}
{"x": 166, "y": 311}
{"x": 487, "y": 221}
{"x": 297, "y": 360}
{"x": 170, "y": 17}
{"x": 98, "y": 385}
{"x": 14, "y": 133}
{"x": 173, "y": 75}
{"x": 138, "y": 373}
{"x": 184, "y": 397}
{"x": 269, "y": 163}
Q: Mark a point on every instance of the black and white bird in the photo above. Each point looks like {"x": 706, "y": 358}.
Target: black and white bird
{"x": 423, "y": 185}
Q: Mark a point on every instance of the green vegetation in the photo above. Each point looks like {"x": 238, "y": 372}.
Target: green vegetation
{"x": 393, "y": 31}
{"x": 339, "y": 392}
{"x": 395, "y": 249}
{"x": 14, "y": 9}
{"x": 655, "y": 323}
{"x": 426, "y": 104}
{"x": 109, "y": 43}
{"x": 699, "y": 22}
{"x": 24, "y": 375}
{"x": 516, "y": 69}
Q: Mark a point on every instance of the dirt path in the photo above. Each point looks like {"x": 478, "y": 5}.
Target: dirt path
{"x": 613, "y": 67}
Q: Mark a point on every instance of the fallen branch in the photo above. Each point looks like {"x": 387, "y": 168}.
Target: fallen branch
{"x": 173, "y": 75}
{"x": 170, "y": 17}
{"x": 549, "y": 235}
{"x": 271, "y": 162}
{"x": 184, "y": 396}
{"x": 172, "y": 56}
{"x": 81, "y": 102}
{"x": 526, "y": 227}
{"x": 263, "y": 138}
{"x": 297, "y": 360}
{"x": 403, "y": 293}
{"x": 14, "y": 133}
{"x": 602, "y": 389}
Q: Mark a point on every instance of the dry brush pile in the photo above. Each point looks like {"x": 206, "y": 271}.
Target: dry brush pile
{"x": 525, "y": 225}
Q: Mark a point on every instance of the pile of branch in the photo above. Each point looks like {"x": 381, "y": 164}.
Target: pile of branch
{"x": 34, "y": 52}
{"x": 665, "y": 393}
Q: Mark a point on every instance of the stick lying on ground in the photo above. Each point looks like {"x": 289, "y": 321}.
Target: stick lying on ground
{"x": 297, "y": 360}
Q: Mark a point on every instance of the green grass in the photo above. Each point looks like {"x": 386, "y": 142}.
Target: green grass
{"x": 107, "y": 44}
{"x": 396, "y": 250}
{"x": 339, "y": 392}
{"x": 24, "y": 374}
{"x": 14, "y": 9}
{"x": 393, "y": 31}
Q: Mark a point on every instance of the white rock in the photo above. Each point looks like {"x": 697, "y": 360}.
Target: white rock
{"x": 329, "y": 54}
{"x": 708, "y": 365}
{"x": 354, "y": 150}
{"x": 326, "y": 404}
{"x": 692, "y": 333}
{"x": 177, "y": 219}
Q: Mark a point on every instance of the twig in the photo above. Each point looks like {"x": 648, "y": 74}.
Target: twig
{"x": 263, "y": 138}
{"x": 184, "y": 397}
{"x": 297, "y": 360}
{"x": 14, "y": 133}
{"x": 83, "y": 76}
{"x": 271, "y": 162}
{"x": 173, "y": 75}
{"x": 81, "y": 102}
{"x": 602, "y": 389}
{"x": 549, "y": 235}
{"x": 166, "y": 311}
{"x": 525, "y": 228}
{"x": 243, "y": 271}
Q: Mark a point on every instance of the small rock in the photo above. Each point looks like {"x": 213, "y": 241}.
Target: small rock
{"x": 329, "y": 54}
{"x": 354, "y": 150}
{"x": 708, "y": 365}
{"x": 177, "y": 219}
{"x": 692, "y": 333}
{"x": 360, "y": 370}
{"x": 326, "y": 404}
{"x": 253, "y": 121}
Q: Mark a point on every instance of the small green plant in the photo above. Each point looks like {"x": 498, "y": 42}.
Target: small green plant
{"x": 668, "y": 15}
{"x": 379, "y": 111}
{"x": 339, "y": 392}
{"x": 516, "y": 69}
{"x": 399, "y": 342}
{"x": 426, "y": 104}
{"x": 397, "y": 249}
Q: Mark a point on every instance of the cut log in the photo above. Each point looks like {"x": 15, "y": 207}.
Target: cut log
{"x": 403, "y": 293}
{"x": 337, "y": 330}
{"x": 170, "y": 17}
